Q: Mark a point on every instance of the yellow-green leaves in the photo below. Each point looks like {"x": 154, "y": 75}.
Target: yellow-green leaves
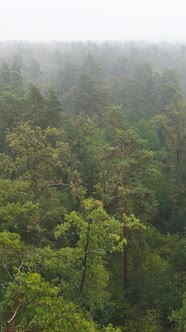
{"x": 89, "y": 235}
{"x": 39, "y": 306}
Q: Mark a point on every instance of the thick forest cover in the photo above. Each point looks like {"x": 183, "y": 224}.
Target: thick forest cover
{"x": 93, "y": 187}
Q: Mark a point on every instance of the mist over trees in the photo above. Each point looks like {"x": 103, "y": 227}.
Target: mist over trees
{"x": 93, "y": 186}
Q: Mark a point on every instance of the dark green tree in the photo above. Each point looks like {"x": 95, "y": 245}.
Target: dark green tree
{"x": 53, "y": 110}
{"x": 16, "y": 76}
{"x": 5, "y": 74}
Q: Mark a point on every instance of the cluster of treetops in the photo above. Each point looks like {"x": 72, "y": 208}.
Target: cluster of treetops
{"x": 92, "y": 187}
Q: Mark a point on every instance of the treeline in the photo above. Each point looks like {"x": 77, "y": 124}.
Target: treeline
{"x": 92, "y": 187}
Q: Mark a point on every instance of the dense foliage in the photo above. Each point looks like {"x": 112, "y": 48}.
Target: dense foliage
{"x": 93, "y": 187}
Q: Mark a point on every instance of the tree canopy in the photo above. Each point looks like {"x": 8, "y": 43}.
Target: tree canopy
{"x": 92, "y": 188}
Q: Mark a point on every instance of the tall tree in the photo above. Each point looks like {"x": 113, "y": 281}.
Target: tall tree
{"x": 17, "y": 80}
{"x": 172, "y": 128}
{"x": 53, "y": 110}
{"x": 95, "y": 235}
{"x": 125, "y": 166}
{"x": 32, "y": 157}
{"x": 35, "y": 106}
{"x": 5, "y": 74}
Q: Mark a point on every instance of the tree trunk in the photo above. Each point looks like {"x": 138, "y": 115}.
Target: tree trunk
{"x": 125, "y": 259}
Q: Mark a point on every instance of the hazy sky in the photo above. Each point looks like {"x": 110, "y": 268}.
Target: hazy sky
{"x": 42, "y": 20}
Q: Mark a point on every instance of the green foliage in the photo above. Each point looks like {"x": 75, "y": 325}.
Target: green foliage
{"x": 31, "y": 156}
{"x": 95, "y": 234}
{"x": 38, "y": 305}
{"x": 53, "y": 110}
{"x": 11, "y": 255}
{"x": 172, "y": 125}
{"x": 145, "y": 131}
{"x": 35, "y": 106}
{"x": 179, "y": 317}
{"x": 91, "y": 95}
{"x": 10, "y": 248}
{"x": 11, "y": 76}
{"x": 150, "y": 322}
{"x": 17, "y": 211}
{"x": 5, "y": 74}
{"x": 124, "y": 166}
{"x": 117, "y": 150}
{"x": 17, "y": 80}
{"x": 110, "y": 328}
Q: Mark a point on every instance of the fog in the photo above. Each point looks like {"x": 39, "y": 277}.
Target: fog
{"x": 45, "y": 20}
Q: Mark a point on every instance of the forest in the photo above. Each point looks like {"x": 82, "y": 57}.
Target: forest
{"x": 92, "y": 187}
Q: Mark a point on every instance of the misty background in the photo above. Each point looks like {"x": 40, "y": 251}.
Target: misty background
{"x": 44, "y": 20}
